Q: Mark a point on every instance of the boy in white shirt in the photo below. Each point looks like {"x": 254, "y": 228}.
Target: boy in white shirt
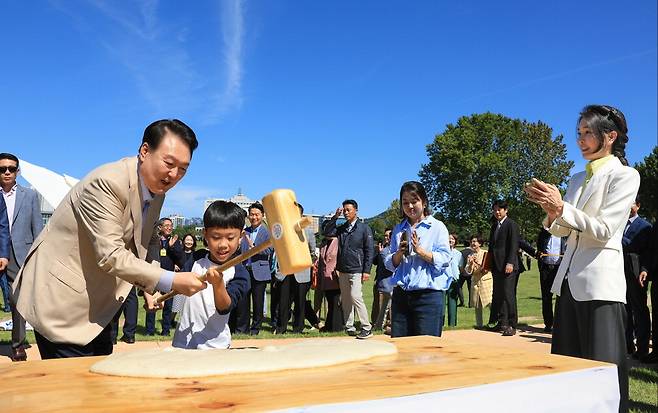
{"x": 204, "y": 317}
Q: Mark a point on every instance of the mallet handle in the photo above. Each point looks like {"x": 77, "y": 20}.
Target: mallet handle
{"x": 228, "y": 264}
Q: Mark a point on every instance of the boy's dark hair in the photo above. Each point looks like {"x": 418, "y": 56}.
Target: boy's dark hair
{"x": 155, "y": 131}
{"x": 9, "y": 156}
{"x": 351, "y": 202}
{"x": 224, "y": 214}
{"x": 500, "y": 203}
{"x": 258, "y": 206}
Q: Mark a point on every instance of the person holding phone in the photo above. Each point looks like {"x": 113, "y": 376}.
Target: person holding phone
{"x": 420, "y": 266}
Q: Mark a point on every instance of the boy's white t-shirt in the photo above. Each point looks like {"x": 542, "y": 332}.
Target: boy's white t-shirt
{"x": 201, "y": 326}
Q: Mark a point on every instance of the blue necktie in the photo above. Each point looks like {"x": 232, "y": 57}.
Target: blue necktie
{"x": 145, "y": 210}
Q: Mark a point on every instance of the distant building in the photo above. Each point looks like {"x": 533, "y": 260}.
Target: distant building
{"x": 196, "y": 222}
{"x": 177, "y": 220}
{"x": 242, "y": 200}
{"x": 46, "y": 209}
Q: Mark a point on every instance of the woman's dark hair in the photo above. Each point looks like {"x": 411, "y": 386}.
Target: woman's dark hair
{"x": 605, "y": 119}
{"x": 193, "y": 238}
{"x": 479, "y": 238}
{"x": 224, "y": 214}
{"x": 416, "y": 188}
{"x": 155, "y": 131}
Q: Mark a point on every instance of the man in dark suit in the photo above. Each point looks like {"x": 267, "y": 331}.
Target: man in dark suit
{"x": 634, "y": 240}
{"x": 25, "y": 224}
{"x": 258, "y": 267}
{"x": 504, "y": 246}
{"x": 649, "y": 272}
{"x": 550, "y": 250}
{"x": 171, "y": 259}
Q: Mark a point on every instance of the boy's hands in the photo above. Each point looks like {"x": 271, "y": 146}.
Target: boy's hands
{"x": 214, "y": 277}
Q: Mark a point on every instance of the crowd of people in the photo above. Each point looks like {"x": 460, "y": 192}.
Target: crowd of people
{"x": 104, "y": 245}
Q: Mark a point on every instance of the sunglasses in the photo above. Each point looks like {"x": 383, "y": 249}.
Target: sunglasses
{"x": 11, "y": 169}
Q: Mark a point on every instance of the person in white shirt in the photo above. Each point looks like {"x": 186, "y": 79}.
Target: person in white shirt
{"x": 204, "y": 317}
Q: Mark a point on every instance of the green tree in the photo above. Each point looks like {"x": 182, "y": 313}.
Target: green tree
{"x": 486, "y": 157}
{"x": 387, "y": 219}
{"x": 648, "y": 170}
{"x": 186, "y": 229}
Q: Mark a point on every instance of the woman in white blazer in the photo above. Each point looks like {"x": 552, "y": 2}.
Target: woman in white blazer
{"x": 590, "y": 283}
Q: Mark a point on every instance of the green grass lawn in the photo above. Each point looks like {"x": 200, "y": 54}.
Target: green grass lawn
{"x": 643, "y": 378}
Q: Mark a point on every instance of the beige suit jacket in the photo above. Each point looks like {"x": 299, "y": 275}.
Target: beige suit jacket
{"x": 83, "y": 264}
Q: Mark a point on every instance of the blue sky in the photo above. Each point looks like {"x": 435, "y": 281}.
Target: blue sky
{"x": 332, "y": 99}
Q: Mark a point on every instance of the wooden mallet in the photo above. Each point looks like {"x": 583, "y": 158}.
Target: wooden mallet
{"x": 287, "y": 235}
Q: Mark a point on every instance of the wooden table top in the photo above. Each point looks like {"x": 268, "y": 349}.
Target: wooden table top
{"x": 423, "y": 364}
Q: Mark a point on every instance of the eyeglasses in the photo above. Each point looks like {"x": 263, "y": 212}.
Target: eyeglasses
{"x": 11, "y": 169}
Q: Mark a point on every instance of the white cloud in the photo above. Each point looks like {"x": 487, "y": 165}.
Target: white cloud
{"x": 156, "y": 52}
{"x": 232, "y": 34}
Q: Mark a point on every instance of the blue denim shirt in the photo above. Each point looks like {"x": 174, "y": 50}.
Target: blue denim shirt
{"x": 414, "y": 273}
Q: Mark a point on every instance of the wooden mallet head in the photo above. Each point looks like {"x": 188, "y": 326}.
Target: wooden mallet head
{"x": 287, "y": 233}
{"x": 286, "y": 236}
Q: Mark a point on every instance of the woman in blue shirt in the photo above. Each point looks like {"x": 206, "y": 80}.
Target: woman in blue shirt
{"x": 419, "y": 259}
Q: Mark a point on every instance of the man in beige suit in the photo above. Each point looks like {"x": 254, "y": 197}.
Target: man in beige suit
{"x": 83, "y": 264}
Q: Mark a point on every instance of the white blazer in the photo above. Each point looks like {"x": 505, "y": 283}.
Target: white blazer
{"x": 594, "y": 221}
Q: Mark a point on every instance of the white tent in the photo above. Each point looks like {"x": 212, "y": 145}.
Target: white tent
{"x": 51, "y": 185}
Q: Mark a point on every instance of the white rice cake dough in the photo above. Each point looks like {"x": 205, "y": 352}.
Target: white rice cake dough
{"x": 177, "y": 363}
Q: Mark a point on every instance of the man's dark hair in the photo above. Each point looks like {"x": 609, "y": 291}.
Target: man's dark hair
{"x": 9, "y": 156}
{"x": 351, "y": 202}
{"x": 301, "y": 208}
{"x": 258, "y": 206}
{"x": 154, "y": 133}
{"x": 162, "y": 220}
{"x": 224, "y": 214}
{"x": 500, "y": 203}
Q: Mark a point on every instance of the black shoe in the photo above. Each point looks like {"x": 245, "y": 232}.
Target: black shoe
{"x": 548, "y": 329}
{"x": 18, "y": 354}
{"x": 497, "y": 328}
{"x": 351, "y": 333}
{"x": 364, "y": 334}
{"x": 509, "y": 331}
{"x": 128, "y": 340}
{"x": 165, "y": 333}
